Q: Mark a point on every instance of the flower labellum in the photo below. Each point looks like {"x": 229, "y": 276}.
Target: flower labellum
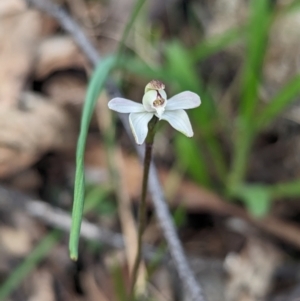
{"x": 155, "y": 102}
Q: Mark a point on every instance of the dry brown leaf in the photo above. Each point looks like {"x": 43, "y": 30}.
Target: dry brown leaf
{"x": 57, "y": 53}
{"x": 26, "y": 134}
{"x": 118, "y": 14}
{"x": 66, "y": 89}
{"x": 250, "y": 271}
{"x": 10, "y": 7}
{"x": 17, "y": 242}
{"x": 94, "y": 291}
{"x": 28, "y": 180}
{"x": 19, "y": 35}
{"x": 43, "y": 288}
{"x": 282, "y": 59}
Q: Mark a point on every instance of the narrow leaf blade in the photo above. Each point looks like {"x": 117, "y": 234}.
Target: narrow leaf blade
{"x": 280, "y": 102}
{"x": 94, "y": 88}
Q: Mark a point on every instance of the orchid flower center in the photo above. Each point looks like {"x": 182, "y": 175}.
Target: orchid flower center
{"x": 159, "y": 101}
{"x": 159, "y": 104}
{"x": 155, "y": 101}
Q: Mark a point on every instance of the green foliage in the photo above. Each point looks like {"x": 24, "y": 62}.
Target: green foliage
{"x": 97, "y": 199}
{"x": 257, "y": 37}
{"x": 279, "y": 103}
{"x": 293, "y": 6}
{"x": 256, "y": 41}
{"x": 191, "y": 158}
{"x": 179, "y": 216}
{"x": 178, "y": 70}
{"x": 94, "y": 88}
{"x": 182, "y": 73}
{"x": 119, "y": 284}
{"x": 257, "y": 198}
{"x": 289, "y": 189}
{"x": 34, "y": 258}
{"x": 213, "y": 45}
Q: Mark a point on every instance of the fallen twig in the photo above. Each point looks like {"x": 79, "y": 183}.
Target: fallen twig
{"x": 61, "y": 219}
{"x": 57, "y": 217}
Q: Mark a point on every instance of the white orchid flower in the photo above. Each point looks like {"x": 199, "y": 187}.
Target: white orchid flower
{"x": 155, "y": 102}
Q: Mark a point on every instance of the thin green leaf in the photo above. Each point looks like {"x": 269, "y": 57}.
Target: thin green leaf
{"x": 279, "y": 103}
{"x": 259, "y": 23}
{"x": 289, "y": 189}
{"x": 41, "y": 251}
{"x": 257, "y": 198}
{"x": 242, "y": 148}
{"x": 36, "y": 256}
{"x": 215, "y": 44}
{"x": 180, "y": 216}
{"x": 137, "y": 7}
{"x": 96, "y": 199}
{"x": 292, "y": 7}
{"x": 190, "y": 156}
{"x": 258, "y": 29}
{"x": 95, "y": 86}
{"x": 119, "y": 283}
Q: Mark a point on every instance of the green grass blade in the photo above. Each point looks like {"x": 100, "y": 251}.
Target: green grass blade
{"x": 36, "y": 256}
{"x": 215, "y": 44}
{"x": 43, "y": 248}
{"x": 289, "y": 189}
{"x": 293, "y": 6}
{"x": 137, "y": 7}
{"x": 279, "y": 103}
{"x": 94, "y": 88}
{"x": 242, "y": 148}
{"x": 257, "y": 198}
{"x": 191, "y": 158}
{"x": 119, "y": 283}
{"x": 258, "y": 30}
{"x": 182, "y": 69}
{"x": 94, "y": 199}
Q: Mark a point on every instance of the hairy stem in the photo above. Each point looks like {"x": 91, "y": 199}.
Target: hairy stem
{"x": 142, "y": 214}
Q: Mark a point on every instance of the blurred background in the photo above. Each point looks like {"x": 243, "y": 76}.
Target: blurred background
{"x": 233, "y": 189}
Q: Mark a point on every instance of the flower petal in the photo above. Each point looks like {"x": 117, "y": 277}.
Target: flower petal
{"x": 139, "y": 125}
{"x": 180, "y": 121}
{"x": 123, "y": 105}
{"x": 148, "y": 99}
{"x": 184, "y": 100}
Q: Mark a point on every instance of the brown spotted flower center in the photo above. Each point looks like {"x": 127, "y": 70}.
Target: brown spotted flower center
{"x": 159, "y": 101}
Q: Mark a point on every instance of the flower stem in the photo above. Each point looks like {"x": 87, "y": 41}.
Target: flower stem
{"x": 142, "y": 207}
